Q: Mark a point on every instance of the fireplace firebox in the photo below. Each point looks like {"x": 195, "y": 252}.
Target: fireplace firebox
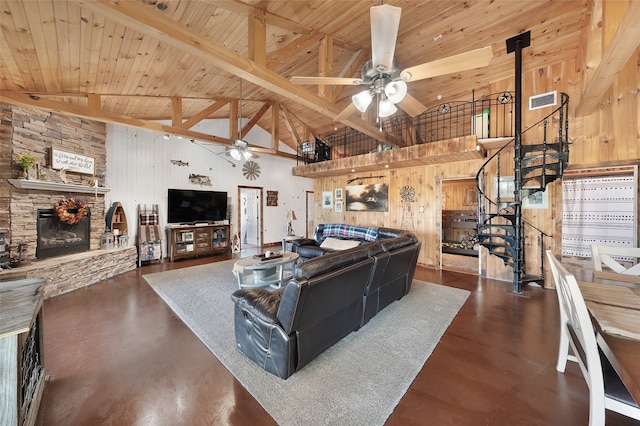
{"x": 57, "y": 238}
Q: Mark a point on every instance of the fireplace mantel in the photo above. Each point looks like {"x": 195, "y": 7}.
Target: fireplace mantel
{"x": 57, "y": 186}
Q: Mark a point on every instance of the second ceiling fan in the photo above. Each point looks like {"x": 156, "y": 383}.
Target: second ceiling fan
{"x": 386, "y": 82}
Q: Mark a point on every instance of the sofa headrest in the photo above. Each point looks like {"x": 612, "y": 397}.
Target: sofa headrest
{"x": 331, "y": 261}
{"x": 393, "y": 233}
{"x": 391, "y": 244}
{"x": 344, "y": 231}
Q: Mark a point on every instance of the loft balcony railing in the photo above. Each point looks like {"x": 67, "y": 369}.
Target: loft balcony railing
{"x": 488, "y": 117}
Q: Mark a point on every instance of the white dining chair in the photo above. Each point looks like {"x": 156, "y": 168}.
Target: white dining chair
{"x": 606, "y": 390}
{"x": 606, "y": 263}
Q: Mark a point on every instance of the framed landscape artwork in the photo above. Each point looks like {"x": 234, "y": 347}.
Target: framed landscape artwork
{"x": 368, "y": 198}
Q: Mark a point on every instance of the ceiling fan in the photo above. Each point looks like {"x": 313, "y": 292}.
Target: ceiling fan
{"x": 386, "y": 82}
{"x": 239, "y": 149}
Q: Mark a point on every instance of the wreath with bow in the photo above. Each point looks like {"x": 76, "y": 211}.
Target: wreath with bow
{"x": 66, "y": 205}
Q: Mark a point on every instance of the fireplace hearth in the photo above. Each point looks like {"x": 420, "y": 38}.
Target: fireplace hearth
{"x": 57, "y": 238}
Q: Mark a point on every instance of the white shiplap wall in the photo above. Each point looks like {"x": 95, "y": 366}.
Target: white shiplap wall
{"x": 139, "y": 171}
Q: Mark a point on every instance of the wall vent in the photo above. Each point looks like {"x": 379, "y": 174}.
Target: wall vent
{"x": 543, "y": 100}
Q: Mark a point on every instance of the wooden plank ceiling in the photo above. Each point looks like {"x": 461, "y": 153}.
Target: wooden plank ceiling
{"x": 182, "y": 60}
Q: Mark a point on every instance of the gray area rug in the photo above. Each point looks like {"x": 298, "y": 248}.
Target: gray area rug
{"x": 357, "y": 381}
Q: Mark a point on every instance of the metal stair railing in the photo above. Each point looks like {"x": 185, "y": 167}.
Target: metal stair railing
{"x": 497, "y": 218}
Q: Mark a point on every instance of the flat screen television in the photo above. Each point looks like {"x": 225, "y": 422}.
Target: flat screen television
{"x": 190, "y": 206}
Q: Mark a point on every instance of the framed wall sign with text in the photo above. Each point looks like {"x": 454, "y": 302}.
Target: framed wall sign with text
{"x": 72, "y": 162}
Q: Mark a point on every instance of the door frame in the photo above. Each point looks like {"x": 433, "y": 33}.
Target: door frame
{"x": 260, "y": 223}
{"x": 441, "y": 183}
{"x": 308, "y": 213}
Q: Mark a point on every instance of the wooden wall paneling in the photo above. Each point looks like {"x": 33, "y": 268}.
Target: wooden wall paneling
{"x": 624, "y": 110}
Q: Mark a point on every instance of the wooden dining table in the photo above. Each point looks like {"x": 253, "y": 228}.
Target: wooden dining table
{"x": 615, "y": 308}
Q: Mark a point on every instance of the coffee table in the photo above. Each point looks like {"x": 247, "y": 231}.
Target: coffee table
{"x": 254, "y": 272}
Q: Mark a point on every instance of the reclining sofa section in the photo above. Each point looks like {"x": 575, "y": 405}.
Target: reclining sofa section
{"x": 329, "y": 297}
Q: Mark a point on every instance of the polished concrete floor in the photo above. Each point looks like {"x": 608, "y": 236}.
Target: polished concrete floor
{"x": 115, "y": 354}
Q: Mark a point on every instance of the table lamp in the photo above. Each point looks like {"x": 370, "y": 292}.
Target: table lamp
{"x": 291, "y": 216}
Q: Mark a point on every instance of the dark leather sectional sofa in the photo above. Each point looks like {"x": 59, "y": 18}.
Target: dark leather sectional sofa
{"x": 329, "y": 297}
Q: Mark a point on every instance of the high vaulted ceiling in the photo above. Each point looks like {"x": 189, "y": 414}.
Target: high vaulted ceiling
{"x": 182, "y": 60}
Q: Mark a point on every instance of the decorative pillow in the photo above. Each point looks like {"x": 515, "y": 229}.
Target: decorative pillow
{"x": 337, "y": 244}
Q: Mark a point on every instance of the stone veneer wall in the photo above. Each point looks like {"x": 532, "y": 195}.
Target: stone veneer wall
{"x": 67, "y": 273}
{"x": 38, "y": 131}
{"x": 28, "y": 129}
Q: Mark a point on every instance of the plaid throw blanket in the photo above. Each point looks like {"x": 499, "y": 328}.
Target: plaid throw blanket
{"x": 349, "y": 231}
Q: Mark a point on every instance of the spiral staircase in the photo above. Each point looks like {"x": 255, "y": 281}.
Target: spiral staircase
{"x": 501, "y": 228}
{"x": 540, "y": 155}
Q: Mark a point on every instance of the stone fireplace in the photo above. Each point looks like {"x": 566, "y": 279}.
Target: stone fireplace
{"x": 68, "y": 257}
{"x": 57, "y": 238}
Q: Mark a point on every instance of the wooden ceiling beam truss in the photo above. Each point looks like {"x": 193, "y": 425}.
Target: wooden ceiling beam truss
{"x": 204, "y": 114}
{"x": 176, "y": 111}
{"x": 257, "y": 36}
{"x": 288, "y": 122}
{"x": 325, "y": 66}
{"x": 622, "y": 45}
{"x": 158, "y": 26}
{"x": 105, "y": 116}
{"x": 256, "y": 117}
{"x": 275, "y": 126}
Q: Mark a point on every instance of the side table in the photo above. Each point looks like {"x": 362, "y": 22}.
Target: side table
{"x": 255, "y": 272}
{"x": 287, "y": 239}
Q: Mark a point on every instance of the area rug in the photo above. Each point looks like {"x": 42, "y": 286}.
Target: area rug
{"x": 357, "y": 381}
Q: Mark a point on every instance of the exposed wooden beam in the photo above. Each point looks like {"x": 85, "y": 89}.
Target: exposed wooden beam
{"x": 105, "y": 116}
{"x": 158, "y": 26}
{"x": 205, "y": 113}
{"x": 275, "y": 126}
{"x": 352, "y": 68}
{"x": 325, "y": 66}
{"x": 275, "y": 20}
{"x": 176, "y": 111}
{"x": 292, "y": 48}
{"x": 256, "y": 117}
{"x": 257, "y": 37}
{"x": 288, "y": 122}
{"x": 233, "y": 120}
{"x": 593, "y": 46}
{"x": 623, "y": 44}
{"x": 244, "y": 9}
{"x": 94, "y": 101}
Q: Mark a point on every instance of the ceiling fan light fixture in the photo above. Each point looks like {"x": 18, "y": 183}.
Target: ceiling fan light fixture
{"x": 396, "y": 91}
{"x": 247, "y": 155}
{"x": 362, "y": 100}
{"x": 235, "y": 154}
{"x": 386, "y": 108}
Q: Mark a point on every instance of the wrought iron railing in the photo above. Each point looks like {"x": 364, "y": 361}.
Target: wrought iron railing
{"x": 490, "y": 116}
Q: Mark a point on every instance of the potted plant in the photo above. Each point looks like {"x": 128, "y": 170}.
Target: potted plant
{"x": 26, "y": 160}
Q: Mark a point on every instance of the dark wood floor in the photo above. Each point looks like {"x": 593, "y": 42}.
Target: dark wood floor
{"x": 115, "y": 354}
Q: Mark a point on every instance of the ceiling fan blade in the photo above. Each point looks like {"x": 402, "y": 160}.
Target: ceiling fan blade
{"x": 385, "y": 21}
{"x": 464, "y": 61}
{"x": 411, "y": 105}
{"x": 349, "y": 109}
{"x": 341, "y": 81}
